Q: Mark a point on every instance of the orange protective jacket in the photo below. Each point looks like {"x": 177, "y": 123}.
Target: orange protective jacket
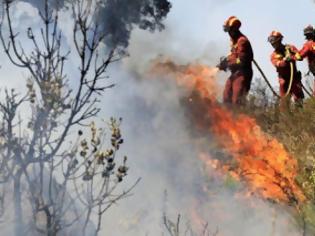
{"x": 240, "y": 64}
{"x": 308, "y": 51}
{"x": 282, "y": 66}
{"x": 241, "y": 56}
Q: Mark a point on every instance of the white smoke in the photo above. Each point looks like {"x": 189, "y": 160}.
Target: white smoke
{"x": 162, "y": 152}
{"x": 161, "y": 149}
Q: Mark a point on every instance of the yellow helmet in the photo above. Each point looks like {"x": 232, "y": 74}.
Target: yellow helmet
{"x": 231, "y": 23}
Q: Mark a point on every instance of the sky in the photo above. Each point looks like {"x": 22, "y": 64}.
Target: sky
{"x": 157, "y": 141}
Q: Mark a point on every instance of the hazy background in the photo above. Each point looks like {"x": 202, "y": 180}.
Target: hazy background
{"x": 158, "y": 141}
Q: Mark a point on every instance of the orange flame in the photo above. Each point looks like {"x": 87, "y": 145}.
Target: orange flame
{"x": 261, "y": 159}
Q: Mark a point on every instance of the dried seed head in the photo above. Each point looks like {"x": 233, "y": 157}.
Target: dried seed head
{"x": 84, "y": 143}
{"x": 83, "y": 153}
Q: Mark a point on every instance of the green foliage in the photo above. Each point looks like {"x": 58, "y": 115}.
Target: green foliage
{"x": 231, "y": 182}
{"x": 308, "y": 219}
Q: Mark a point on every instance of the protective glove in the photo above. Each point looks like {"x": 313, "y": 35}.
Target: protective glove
{"x": 223, "y": 64}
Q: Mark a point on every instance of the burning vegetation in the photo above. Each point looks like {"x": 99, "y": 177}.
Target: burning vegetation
{"x": 256, "y": 157}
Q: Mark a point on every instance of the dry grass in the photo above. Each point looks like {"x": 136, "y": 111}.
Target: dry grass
{"x": 294, "y": 127}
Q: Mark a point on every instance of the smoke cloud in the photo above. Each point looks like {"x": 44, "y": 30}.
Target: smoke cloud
{"x": 161, "y": 144}
{"x": 163, "y": 150}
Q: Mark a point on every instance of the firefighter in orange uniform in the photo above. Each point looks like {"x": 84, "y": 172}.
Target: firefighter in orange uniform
{"x": 308, "y": 50}
{"x": 239, "y": 62}
{"x": 284, "y": 59}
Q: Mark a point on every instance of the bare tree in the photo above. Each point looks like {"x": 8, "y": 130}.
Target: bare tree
{"x": 173, "y": 228}
{"x": 59, "y": 178}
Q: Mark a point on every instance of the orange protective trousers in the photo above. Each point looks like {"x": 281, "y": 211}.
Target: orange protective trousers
{"x": 237, "y": 86}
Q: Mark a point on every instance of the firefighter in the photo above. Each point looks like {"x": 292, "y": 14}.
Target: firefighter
{"x": 239, "y": 62}
{"x": 284, "y": 59}
{"x": 308, "y": 50}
